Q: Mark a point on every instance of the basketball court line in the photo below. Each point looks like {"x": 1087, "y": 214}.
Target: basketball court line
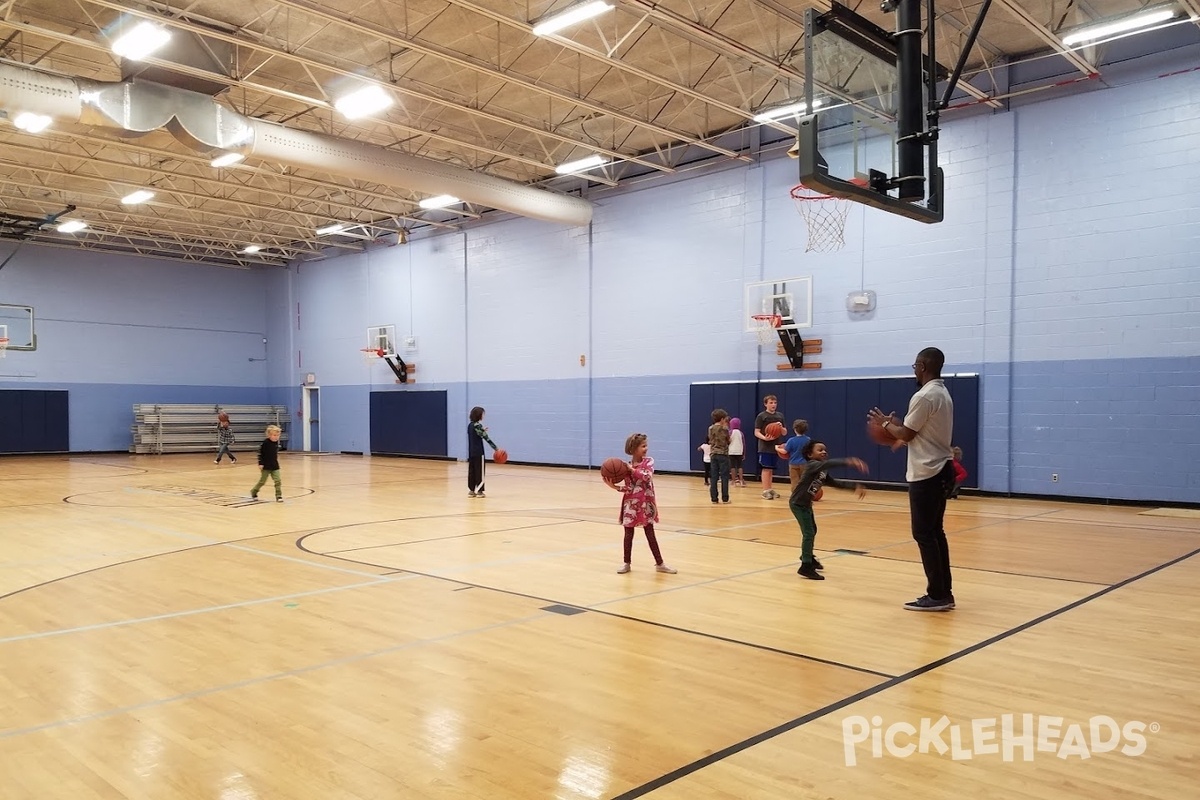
{"x": 465, "y": 567}
{"x": 129, "y": 472}
{"x": 832, "y": 553}
{"x": 162, "y": 701}
{"x": 195, "y": 611}
{"x": 449, "y": 538}
{"x": 201, "y": 546}
{"x": 596, "y": 609}
{"x": 957, "y": 567}
{"x": 745, "y": 744}
{"x": 752, "y": 645}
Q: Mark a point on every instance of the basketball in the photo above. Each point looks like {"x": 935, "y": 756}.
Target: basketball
{"x": 500, "y": 456}
{"x": 222, "y": 417}
{"x": 614, "y": 469}
{"x": 820, "y": 493}
{"x": 774, "y": 430}
{"x": 879, "y": 435}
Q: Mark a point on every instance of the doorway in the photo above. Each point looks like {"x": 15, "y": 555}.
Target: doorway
{"x": 311, "y": 418}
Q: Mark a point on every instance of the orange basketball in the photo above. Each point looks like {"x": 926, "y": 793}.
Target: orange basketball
{"x": 820, "y": 493}
{"x": 614, "y": 469}
{"x": 879, "y": 435}
{"x": 500, "y": 456}
{"x": 774, "y": 430}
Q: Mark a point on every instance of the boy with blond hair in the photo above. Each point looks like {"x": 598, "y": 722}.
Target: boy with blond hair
{"x": 268, "y": 462}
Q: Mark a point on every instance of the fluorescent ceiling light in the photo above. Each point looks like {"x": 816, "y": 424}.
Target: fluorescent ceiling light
{"x": 252, "y": 248}
{"x": 582, "y": 165}
{"x": 72, "y": 226}
{"x": 564, "y": 19}
{"x": 140, "y": 196}
{"x": 1120, "y": 26}
{"x": 31, "y": 123}
{"x": 367, "y": 100}
{"x": 336, "y": 227}
{"x": 227, "y": 159}
{"x": 789, "y": 110}
{"x": 441, "y": 201}
{"x": 144, "y": 39}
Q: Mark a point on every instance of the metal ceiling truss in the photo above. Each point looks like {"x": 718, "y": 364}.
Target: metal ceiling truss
{"x": 653, "y": 88}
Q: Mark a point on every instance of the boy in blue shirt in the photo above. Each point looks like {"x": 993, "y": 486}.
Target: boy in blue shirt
{"x": 793, "y": 450}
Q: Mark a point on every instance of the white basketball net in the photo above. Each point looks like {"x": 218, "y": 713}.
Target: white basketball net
{"x": 767, "y": 327}
{"x": 825, "y": 217}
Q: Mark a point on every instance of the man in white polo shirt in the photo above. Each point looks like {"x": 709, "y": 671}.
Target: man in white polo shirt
{"x": 927, "y": 430}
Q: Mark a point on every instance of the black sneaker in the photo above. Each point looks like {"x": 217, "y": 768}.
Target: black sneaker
{"x": 817, "y": 564}
{"x": 927, "y": 603}
{"x": 810, "y": 571}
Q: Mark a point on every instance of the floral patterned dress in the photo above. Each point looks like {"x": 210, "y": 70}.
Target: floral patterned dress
{"x": 638, "y": 508}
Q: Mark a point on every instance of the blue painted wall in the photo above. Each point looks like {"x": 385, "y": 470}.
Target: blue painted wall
{"x": 115, "y": 331}
{"x": 1064, "y": 274}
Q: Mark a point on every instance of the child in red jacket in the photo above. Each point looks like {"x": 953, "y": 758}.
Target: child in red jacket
{"x": 960, "y": 472}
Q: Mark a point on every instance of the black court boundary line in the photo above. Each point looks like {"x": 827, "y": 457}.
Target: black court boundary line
{"x": 757, "y": 739}
{"x": 245, "y": 501}
{"x": 958, "y": 567}
{"x": 437, "y": 539}
{"x": 539, "y": 599}
{"x": 872, "y": 554}
{"x": 128, "y": 561}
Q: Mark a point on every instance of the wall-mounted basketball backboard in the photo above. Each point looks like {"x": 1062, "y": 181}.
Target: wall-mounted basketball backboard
{"x": 18, "y": 324}
{"x": 788, "y": 298}
{"x": 860, "y": 143}
{"x": 381, "y": 338}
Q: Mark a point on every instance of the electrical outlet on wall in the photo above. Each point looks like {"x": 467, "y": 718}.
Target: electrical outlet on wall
{"x": 1054, "y": 477}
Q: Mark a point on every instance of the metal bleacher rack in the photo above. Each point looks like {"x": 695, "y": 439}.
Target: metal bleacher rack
{"x": 159, "y": 429}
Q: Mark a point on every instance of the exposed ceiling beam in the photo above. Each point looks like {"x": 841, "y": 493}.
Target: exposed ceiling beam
{"x": 357, "y": 25}
{"x": 254, "y": 44}
{"x": 169, "y": 218}
{"x": 270, "y": 90}
{"x": 569, "y": 44}
{"x": 1048, "y": 36}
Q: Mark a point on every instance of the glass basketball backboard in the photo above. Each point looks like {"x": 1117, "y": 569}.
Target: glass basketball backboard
{"x": 17, "y": 322}
{"x": 849, "y": 146}
{"x": 788, "y": 298}
{"x": 381, "y": 338}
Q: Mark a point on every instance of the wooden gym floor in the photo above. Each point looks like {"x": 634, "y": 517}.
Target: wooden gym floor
{"x": 382, "y": 635}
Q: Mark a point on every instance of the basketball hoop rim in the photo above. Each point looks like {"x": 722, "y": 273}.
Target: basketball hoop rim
{"x": 373, "y": 351}
{"x": 775, "y": 320}
{"x": 818, "y": 195}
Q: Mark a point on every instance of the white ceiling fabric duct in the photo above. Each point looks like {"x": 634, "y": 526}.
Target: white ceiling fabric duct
{"x": 202, "y": 124}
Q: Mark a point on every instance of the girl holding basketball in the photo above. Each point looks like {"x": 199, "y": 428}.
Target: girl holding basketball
{"x": 476, "y": 436}
{"x": 638, "y": 506}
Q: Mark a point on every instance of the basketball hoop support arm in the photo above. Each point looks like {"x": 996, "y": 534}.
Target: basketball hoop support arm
{"x": 398, "y": 366}
{"x": 962, "y": 57}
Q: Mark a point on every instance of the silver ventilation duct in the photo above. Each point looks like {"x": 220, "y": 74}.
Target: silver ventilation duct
{"x": 204, "y": 125}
